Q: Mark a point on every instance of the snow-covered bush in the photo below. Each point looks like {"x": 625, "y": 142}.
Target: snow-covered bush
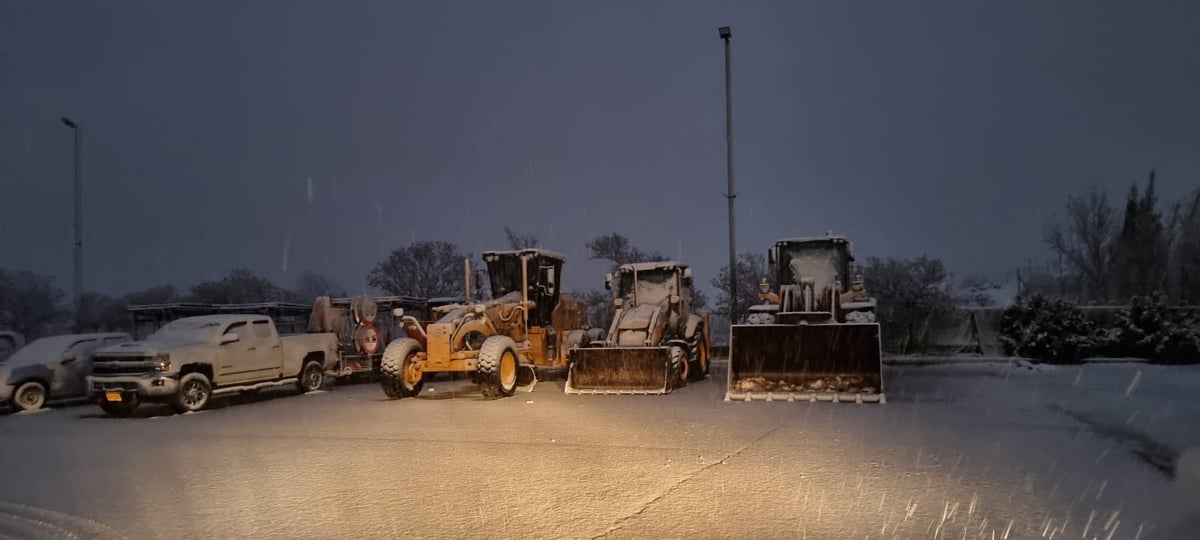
{"x": 1053, "y": 331}
{"x": 1152, "y": 330}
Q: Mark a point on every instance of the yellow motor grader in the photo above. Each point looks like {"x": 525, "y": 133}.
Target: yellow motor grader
{"x": 814, "y": 340}
{"x": 657, "y": 341}
{"x": 500, "y": 342}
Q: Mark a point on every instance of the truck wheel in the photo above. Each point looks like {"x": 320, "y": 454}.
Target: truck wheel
{"x": 498, "y": 367}
{"x": 194, "y": 391}
{"x": 124, "y": 408}
{"x": 399, "y": 374}
{"x": 312, "y": 377}
{"x": 30, "y": 396}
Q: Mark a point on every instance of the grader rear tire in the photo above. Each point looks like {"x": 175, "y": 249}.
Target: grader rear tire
{"x": 398, "y": 373}
{"x": 498, "y": 364}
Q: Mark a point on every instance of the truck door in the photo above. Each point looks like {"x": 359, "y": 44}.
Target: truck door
{"x": 236, "y": 362}
{"x": 268, "y": 352}
{"x": 68, "y": 372}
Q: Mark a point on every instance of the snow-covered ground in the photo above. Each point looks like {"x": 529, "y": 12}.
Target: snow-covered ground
{"x": 976, "y": 450}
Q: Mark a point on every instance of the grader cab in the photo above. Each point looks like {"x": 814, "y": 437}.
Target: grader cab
{"x": 814, "y": 340}
{"x": 657, "y": 340}
{"x": 527, "y": 325}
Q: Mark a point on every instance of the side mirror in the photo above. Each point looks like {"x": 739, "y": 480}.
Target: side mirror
{"x": 687, "y": 276}
{"x": 772, "y": 255}
{"x": 68, "y": 357}
{"x": 548, "y": 279}
{"x": 398, "y": 312}
{"x": 229, "y": 338}
{"x": 608, "y": 279}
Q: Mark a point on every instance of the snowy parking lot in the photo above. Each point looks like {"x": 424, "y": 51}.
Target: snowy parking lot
{"x": 984, "y": 450}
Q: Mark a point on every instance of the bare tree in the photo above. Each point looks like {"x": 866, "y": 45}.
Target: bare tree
{"x": 911, "y": 293}
{"x": 423, "y": 269}
{"x": 1085, "y": 242}
{"x": 752, "y": 268}
{"x": 1183, "y": 265}
{"x": 30, "y": 304}
{"x": 310, "y": 285}
{"x": 162, "y": 294}
{"x": 102, "y": 313}
{"x": 520, "y": 241}
{"x": 240, "y": 286}
{"x": 616, "y": 248}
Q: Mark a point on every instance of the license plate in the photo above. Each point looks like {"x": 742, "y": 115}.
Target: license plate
{"x": 112, "y": 396}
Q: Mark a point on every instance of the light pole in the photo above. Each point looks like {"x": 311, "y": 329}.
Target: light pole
{"x": 730, "y": 195}
{"x": 78, "y": 218}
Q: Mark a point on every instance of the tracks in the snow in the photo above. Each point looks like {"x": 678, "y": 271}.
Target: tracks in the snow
{"x": 21, "y": 521}
{"x": 1155, "y": 454}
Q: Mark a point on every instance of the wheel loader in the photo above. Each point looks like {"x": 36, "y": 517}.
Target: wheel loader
{"x": 499, "y": 342}
{"x": 814, "y": 340}
{"x": 656, "y": 342}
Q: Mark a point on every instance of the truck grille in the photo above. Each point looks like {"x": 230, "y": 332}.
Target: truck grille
{"x": 98, "y": 386}
{"x": 124, "y": 366}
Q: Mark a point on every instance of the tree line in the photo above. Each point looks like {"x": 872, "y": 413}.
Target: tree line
{"x": 32, "y": 305}
{"x": 1111, "y": 257}
{"x": 1105, "y": 257}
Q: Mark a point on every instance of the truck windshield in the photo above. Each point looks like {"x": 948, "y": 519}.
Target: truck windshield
{"x": 186, "y": 330}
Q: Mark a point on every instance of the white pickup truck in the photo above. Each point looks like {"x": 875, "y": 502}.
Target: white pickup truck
{"x": 191, "y": 359}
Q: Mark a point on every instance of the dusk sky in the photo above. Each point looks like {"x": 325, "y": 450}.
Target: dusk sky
{"x": 288, "y": 136}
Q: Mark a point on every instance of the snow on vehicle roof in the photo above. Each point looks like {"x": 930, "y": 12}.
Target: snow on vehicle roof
{"x": 201, "y": 319}
{"x": 653, "y": 265}
{"x": 39, "y": 349}
{"x": 804, "y": 239}
{"x": 542, "y": 252}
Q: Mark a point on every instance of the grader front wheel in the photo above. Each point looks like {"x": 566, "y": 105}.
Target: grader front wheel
{"x": 498, "y": 366}
{"x": 399, "y": 374}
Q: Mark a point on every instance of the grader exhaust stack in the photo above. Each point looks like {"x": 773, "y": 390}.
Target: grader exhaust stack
{"x": 816, "y": 340}
{"x": 656, "y": 342}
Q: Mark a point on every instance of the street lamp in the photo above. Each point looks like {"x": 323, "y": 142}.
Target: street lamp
{"x": 78, "y": 218}
{"x": 730, "y": 195}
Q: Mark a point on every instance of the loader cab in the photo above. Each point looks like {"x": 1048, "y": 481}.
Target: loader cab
{"x": 539, "y": 270}
{"x": 651, "y": 283}
{"x": 825, "y": 258}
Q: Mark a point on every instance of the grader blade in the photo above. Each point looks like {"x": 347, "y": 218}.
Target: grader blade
{"x": 805, "y": 362}
{"x": 619, "y": 370}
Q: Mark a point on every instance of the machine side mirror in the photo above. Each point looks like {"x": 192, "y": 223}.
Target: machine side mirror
{"x": 687, "y": 276}
{"x": 398, "y": 312}
{"x": 230, "y": 338}
{"x": 608, "y": 279}
{"x": 772, "y": 255}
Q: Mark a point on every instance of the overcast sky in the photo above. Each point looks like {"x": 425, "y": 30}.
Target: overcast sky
{"x": 285, "y": 136}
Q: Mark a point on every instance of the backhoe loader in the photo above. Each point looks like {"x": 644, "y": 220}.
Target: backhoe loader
{"x": 656, "y": 342}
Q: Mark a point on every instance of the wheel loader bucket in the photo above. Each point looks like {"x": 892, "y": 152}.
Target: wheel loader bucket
{"x": 805, "y": 362}
{"x": 619, "y": 370}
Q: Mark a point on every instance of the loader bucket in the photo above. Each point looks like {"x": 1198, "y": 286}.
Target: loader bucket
{"x": 619, "y": 370}
{"x": 805, "y": 362}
